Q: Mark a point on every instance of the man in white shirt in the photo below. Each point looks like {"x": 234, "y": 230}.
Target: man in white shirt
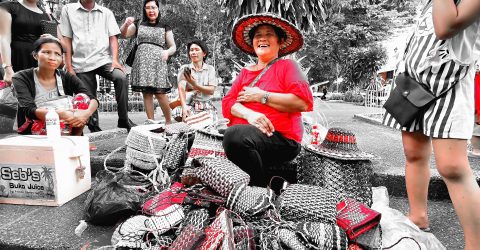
{"x": 90, "y": 36}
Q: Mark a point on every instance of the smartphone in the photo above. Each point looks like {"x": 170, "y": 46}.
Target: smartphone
{"x": 187, "y": 71}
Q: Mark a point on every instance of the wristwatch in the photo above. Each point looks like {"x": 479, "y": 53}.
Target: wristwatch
{"x": 265, "y": 98}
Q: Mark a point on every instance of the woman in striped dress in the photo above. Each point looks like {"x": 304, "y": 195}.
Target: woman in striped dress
{"x": 442, "y": 52}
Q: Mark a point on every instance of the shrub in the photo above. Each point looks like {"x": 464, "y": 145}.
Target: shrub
{"x": 336, "y": 96}
{"x": 350, "y": 96}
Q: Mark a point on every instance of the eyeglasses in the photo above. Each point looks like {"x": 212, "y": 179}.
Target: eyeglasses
{"x": 151, "y": 7}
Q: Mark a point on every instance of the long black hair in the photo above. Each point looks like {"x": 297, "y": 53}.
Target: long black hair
{"x": 144, "y": 11}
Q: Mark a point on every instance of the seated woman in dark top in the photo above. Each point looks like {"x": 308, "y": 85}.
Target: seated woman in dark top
{"x": 41, "y": 86}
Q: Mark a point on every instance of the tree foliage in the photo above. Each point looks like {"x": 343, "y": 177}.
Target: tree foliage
{"x": 306, "y": 14}
{"x": 341, "y": 36}
{"x": 346, "y": 46}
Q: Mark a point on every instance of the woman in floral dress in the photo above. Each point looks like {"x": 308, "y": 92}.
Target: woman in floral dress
{"x": 149, "y": 70}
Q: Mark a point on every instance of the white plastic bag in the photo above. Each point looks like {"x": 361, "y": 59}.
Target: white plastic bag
{"x": 397, "y": 230}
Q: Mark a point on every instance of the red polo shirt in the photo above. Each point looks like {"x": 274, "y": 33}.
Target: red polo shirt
{"x": 284, "y": 76}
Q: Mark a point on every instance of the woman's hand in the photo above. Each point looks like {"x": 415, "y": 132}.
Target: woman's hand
{"x": 249, "y": 94}
{"x": 260, "y": 121}
{"x": 78, "y": 117}
{"x": 186, "y": 113}
{"x": 7, "y": 77}
{"x": 190, "y": 79}
{"x": 164, "y": 56}
{"x": 128, "y": 21}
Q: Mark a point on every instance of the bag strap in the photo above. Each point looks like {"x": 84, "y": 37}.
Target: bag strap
{"x": 60, "y": 88}
{"x": 263, "y": 72}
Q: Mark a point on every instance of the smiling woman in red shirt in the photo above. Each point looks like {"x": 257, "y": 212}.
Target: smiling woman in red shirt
{"x": 265, "y": 102}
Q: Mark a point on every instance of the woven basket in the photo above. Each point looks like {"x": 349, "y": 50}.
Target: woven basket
{"x": 307, "y": 203}
{"x": 347, "y": 178}
{"x": 323, "y": 235}
{"x": 220, "y": 174}
{"x": 198, "y": 218}
{"x": 188, "y": 238}
{"x": 177, "y": 128}
{"x": 142, "y": 139}
{"x": 206, "y": 144}
{"x": 290, "y": 239}
{"x": 176, "y": 151}
{"x": 130, "y": 233}
{"x": 243, "y": 199}
{"x": 165, "y": 219}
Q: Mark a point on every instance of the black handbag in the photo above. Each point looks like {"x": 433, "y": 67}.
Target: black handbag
{"x": 409, "y": 99}
{"x": 131, "y": 55}
{"x": 49, "y": 26}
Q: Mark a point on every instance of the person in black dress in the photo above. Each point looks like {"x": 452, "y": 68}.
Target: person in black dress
{"x": 20, "y": 28}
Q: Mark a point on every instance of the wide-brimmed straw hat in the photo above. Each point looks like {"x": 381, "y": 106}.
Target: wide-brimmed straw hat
{"x": 341, "y": 144}
{"x": 245, "y": 24}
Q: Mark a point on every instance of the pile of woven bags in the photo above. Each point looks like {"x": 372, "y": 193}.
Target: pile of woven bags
{"x": 205, "y": 202}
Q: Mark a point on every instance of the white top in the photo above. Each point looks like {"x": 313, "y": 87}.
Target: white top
{"x": 90, "y": 32}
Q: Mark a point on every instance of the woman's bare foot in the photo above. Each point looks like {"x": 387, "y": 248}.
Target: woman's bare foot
{"x": 420, "y": 221}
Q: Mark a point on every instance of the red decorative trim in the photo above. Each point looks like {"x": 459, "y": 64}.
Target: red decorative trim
{"x": 351, "y": 139}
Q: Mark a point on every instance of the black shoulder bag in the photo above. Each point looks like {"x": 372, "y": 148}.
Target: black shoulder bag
{"x": 409, "y": 99}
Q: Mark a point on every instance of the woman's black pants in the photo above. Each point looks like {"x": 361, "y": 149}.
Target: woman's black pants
{"x": 256, "y": 153}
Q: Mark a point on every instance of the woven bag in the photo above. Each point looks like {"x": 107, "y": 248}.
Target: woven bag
{"x": 206, "y": 144}
{"x": 130, "y": 233}
{"x": 356, "y": 218}
{"x": 244, "y": 237}
{"x": 176, "y": 151}
{"x": 142, "y": 160}
{"x": 307, "y": 203}
{"x": 322, "y": 235}
{"x": 165, "y": 220}
{"x": 198, "y": 218}
{"x": 144, "y": 140}
{"x": 177, "y": 128}
{"x": 200, "y": 120}
{"x": 220, "y": 174}
{"x": 188, "y": 238}
{"x": 189, "y": 177}
{"x": 371, "y": 239}
{"x": 345, "y": 177}
{"x": 247, "y": 200}
{"x": 162, "y": 242}
{"x": 290, "y": 239}
{"x": 165, "y": 199}
{"x": 203, "y": 197}
{"x": 49, "y": 26}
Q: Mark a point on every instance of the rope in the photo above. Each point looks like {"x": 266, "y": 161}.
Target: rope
{"x": 403, "y": 238}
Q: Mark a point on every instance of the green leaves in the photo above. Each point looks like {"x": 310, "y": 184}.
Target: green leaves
{"x": 305, "y": 14}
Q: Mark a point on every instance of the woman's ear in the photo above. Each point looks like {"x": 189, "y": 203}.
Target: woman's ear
{"x": 35, "y": 55}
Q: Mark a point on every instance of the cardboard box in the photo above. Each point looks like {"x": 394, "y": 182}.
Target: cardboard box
{"x": 35, "y": 170}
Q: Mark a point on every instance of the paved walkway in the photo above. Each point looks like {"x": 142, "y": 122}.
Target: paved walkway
{"x": 28, "y": 227}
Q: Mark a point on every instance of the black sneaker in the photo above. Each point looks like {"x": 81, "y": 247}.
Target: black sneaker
{"x": 94, "y": 128}
{"x": 126, "y": 124}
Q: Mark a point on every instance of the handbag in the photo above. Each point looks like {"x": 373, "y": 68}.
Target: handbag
{"x": 408, "y": 100}
{"x": 220, "y": 174}
{"x": 345, "y": 178}
{"x": 356, "y": 218}
{"x": 307, "y": 203}
{"x": 49, "y": 26}
{"x": 131, "y": 56}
